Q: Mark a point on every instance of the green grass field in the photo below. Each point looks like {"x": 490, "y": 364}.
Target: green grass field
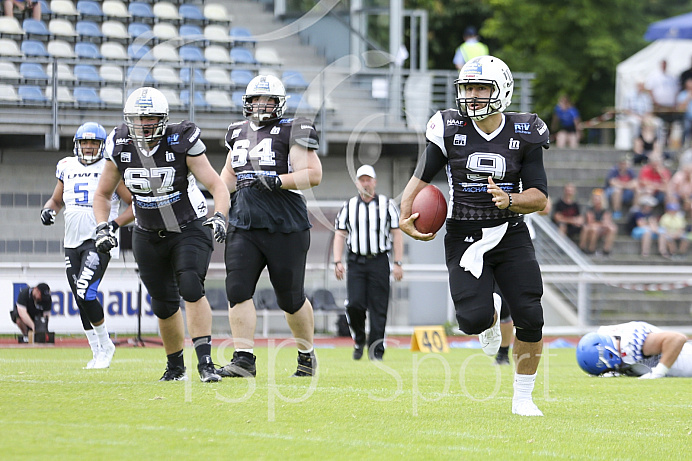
{"x": 411, "y": 406}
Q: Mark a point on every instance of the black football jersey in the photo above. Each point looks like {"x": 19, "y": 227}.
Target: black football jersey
{"x": 165, "y": 195}
{"x": 473, "y": 155}
{"x": 263, "y": 150}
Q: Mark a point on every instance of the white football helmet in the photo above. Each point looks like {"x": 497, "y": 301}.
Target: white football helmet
{"x": 485, "y": 70}
{"x": 264, "y": 85}
{"x": 146, "y": 102}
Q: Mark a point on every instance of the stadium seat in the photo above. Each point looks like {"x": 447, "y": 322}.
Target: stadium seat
{"x": 34, "y": 27}
{"x": 64, "y": 94}
{"x": 165, "y": 75}
{"x": 199, "y": 100}
{"x": 45, "y": 9}
{"x": 114, "y": 50}
{"x": 215, "y": 33}
{"x": 111, "y": 73}
{"x": 241, "y": 35}
{"x": 64, "y": 73}
{"x": 87, "y": 73}
{"x": 115, "y": 9}
{"x": 268, "y": 56}
{"x": 198, "y": 76}
{"x": 242, "y": 77}
{"x": 172, "y": 97}
{"x": 323, "y": 299}
{"x": 215, "y": 12}
{"x": 191, "y": 32}
{"x": 9, "y": 47}
{"x": 191, "y": 13}
{"x": 165, "y": 31}
{"x": 88, "y": 29}
{"x": 293, "y": 79}
{"x": 31, "y": 93}
{"x": 191, "y": 53}
{"x": 10, "y": 26}
{"x": 265, "y": 298}
{"x": 87, "y": 50}
{"x": 139, "y": 76}
{"x": 219, "y": 98}
{"x": 86, "y": 95}
{"x": 63, "y": 8}
{"x": 217, "y": 53}
{"x": 60, "y": 49}
{"x": 114, "y": 30}
{"x": 111, "y": 96}
{"x": 32, "y": 71}
{"x": 89, "y": 9}
{"x": 166, "y": 11}
{"x": 8, "y": 71}
{"x": 136, "y": 51}
{"x": 240, "y": 55}
{"x": 141, "y": 11}
{"x": 31, "y": 48}
{"x": 135, "y": 29}
{"x": 62, "y": 28}
{"x": 8, "y": 93}
{"x": 218, "y": 76}
{"x": 237, "y": 98}
{"x": 165, "y": 52}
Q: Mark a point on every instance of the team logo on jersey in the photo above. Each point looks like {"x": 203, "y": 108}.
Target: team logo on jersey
{"x": 542, "y": 129}
{"x": 173, "y": 139}
{"x": 514, "y": 144}
{"x": 286, "y": 120}
{"x": 275, "y": 130}
{"x": 459, "y": 139}
{"x": 524, "y": 128}
{"x": 195, "y": 135}
{"x": 455, "y": 122}
{"x": 235, "y": 133}
{"x": 306, "y": 127}
{"x": 125, "y": 157}
{"x": 170, "y": 156}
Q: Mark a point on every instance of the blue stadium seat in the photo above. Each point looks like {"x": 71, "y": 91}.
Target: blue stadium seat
{"x": 88, "y": 8}
{"x": 199, "y": 76}
{"x": 137, "y": 52}
{"x": 86, "y": 95}
{"x": 191, "y": 31}
{"x": 191, "y": 13}
{"x": 191, "y": 53}
{"x": 242, "y": 77}
{"x": 45, "y": 9}
{"x": 240, "y": 55}
{"x": 32, "y": 71}
{"x": 34, "y": 48}
{"x": 135, "y": 29}
{"x": 139, "y": 75}
{"x": 241, "y": 35}
{"x": 31, "y": 93}
{"x": 237, "y": 98}
{"x": 87, "y": 50}
{"x": 87, "y": 73}
{"x": 88, "y": 29}
{"x": 293, "y": 79}
{"x": 199, "y": 100}
{"x": 34, "y": 27}
{"x": 141, "y": 10}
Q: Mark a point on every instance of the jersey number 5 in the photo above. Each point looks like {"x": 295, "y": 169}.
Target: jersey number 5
{"x": 262, "y": 152}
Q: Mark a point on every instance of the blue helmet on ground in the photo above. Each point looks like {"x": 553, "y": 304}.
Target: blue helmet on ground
{"x": 596, "y": 354}
{"x": 90, "y": 131}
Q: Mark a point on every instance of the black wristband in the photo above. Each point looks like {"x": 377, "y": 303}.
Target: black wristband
{"x": 337, "y": 262}
{"x": 510, "y": 200}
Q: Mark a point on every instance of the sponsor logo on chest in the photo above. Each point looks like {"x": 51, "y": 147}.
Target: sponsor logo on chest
{"x": 514, "y": 144}
{"x": 459, "y": 139}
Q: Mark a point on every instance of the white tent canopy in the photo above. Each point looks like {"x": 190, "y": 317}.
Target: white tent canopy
{"x": 678, "y": 54}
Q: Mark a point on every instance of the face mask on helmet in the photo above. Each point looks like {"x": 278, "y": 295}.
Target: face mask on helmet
{"x": 89, "y": 142}
{"x": 146, "y": 114}
{"x": 597, "y": 354}
{"x": 264, "y": 99}
{"x": 488, "y": 71}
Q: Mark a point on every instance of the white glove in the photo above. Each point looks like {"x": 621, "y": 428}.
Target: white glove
{"x": 659, "y": 371}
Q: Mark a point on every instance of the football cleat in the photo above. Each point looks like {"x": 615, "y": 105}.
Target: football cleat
{"x": 174, "y": 374}
{"x": 207, "y": 373}
{"x": 307, "y": 365}
{"x": 357, "y": 352}
{"x": 90, "y": 363}
{"x": 525, "y": 408}
{"x": 502, "y": 359}
{"x": 491, "y": 338}
{"x": 241, "y": 366}
{"x": 105, "y": 355}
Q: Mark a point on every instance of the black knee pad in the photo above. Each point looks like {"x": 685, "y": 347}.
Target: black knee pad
{"x": 93, "y": 311}
{"x": 164, "y": 309}
{"x": 288, "y": 303}
{"x": 529, "y": 336}
{"x": 191, "y": 287}
{"x": 473, "y": 326}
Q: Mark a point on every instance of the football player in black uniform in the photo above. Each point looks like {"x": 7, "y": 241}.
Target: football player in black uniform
{"x": 494, "y": 164}
{"x": 160, "y": 163}
{"x": 270, "y": 160}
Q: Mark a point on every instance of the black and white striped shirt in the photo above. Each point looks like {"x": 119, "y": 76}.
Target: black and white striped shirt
{"x": 368, "y": 225}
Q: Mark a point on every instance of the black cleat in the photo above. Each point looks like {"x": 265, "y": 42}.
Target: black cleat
{"x": 241, "y": 366}
{"x": 357, "y": 352}
{"x": 174, "y": 374}
{"x": 207, "y": 373}
{"x": 502, "y": 359}
{"x": 307, "y": 365}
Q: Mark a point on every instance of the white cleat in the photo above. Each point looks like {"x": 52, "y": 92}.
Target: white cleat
{"x": 525, "y": 408}
{"x": 103, "y": 360}
{"x": 491, "y": 338}
{"x": 90, "y": 364}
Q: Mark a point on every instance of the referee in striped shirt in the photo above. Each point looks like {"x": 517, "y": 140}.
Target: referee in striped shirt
{"x": 368, "y": 225}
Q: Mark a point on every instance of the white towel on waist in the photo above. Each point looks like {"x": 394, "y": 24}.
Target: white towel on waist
{"x": 472, "y": 259}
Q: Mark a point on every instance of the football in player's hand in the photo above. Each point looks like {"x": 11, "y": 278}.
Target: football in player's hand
{"x": 431, "y": 205}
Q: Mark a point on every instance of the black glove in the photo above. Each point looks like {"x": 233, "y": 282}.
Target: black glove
{"x": 218, "y": 225}
{"x": 266, "y": 182}
{"x": 48, "y": 216}
{"x": 105, "y": 236}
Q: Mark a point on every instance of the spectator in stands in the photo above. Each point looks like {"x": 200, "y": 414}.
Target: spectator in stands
{"x": 685, "y": 74}
{"x": 654, "y": 178}
{"x": 25, "y": 6}
{"x": 566, "y": 123}
{"x": 471, "y": 48}
{"x": 664, "y": 90}
{"x": 643, "y": 223}
{"x": 680, "y": 188}
{"x": 684, "y": 104}
{"x": 567, "y": 215}
{"x": 598, "y": 225}
{"x": 638, "y": 106}
{"x": 32, "y": 304}
{"x": 647, "y": 142}
{"x": 621, "y": 186}
{"x": 672, "y": 232}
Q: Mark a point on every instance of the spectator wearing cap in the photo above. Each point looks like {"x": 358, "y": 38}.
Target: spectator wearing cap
{"x": 644, "y": 224}
{"x": 672, "y": 232}
{"x": 471, "y": 48}
{"x": 598, "y": 226}
{"x": 368, "y": 227}
{"x": 32, "y": 303}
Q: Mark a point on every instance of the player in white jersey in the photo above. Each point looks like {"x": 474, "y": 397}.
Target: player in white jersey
{"x": 78, "y": 177}
{"x": 635, "y": 349}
